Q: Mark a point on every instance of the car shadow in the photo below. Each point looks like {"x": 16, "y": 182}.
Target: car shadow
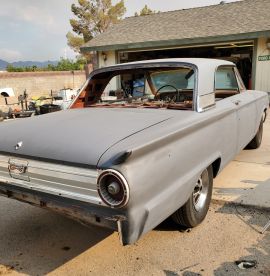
{"x": 35, "y": 241}
{"x": 169, "y": 225}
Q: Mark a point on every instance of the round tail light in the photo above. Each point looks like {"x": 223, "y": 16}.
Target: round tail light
{"x": 113, "y": 189}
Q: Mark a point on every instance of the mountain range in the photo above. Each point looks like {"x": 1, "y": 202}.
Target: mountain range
{"x": 4, "y": 64}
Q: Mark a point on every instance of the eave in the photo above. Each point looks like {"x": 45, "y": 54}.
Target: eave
{"x": 176, "y": 42}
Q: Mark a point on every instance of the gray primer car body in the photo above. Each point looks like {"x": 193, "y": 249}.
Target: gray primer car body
{"x": 161, "y": 153}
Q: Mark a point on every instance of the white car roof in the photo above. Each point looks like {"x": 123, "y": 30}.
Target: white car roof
{"x": 195, "y": 61}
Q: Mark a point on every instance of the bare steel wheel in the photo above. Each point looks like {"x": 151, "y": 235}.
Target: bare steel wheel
{"x": 200, "y": 192}
{"x": 196, "y": 208}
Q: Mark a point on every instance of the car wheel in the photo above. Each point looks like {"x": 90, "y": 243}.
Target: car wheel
{"x": 1, "y": 116}
{"x": 257, "y": 140}
{"x": 196, "y": 208}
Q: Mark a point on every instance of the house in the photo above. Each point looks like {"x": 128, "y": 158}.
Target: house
{"x": 237, "y": 31}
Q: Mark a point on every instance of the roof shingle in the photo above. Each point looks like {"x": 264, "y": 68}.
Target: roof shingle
{"x": 240, "y": 17}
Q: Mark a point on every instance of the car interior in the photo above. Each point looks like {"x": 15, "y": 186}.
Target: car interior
{"x": 142, "y": 87}
{"x": 169, "y": 87}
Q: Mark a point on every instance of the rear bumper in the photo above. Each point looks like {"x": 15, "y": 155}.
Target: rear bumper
{"x": 83, "y": 212}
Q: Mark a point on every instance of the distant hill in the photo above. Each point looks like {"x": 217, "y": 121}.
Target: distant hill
{"x": 39, "y": 64}
{"x": 33, "y": 63}
{"x": 3, "y": 64}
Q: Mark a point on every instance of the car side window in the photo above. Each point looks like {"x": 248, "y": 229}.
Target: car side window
{"x": 226, "y": 84}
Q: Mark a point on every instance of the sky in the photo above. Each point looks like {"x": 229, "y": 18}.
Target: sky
{"x": 36, "y": 29}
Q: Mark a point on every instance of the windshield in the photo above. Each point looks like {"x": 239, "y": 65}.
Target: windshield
{"x": 141, "y": 87}
{"x": 180, "y": 79}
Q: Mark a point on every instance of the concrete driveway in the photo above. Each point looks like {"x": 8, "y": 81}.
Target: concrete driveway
{"x": 38, "y": 242}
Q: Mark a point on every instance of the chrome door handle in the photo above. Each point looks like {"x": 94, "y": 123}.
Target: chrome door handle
{"x": 237, "y": 102}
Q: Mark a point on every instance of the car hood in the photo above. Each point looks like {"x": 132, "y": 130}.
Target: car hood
{"x": 75, "y": 136}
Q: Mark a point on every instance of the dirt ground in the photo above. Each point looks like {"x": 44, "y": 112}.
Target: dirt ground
{"x": 38, "y": 242}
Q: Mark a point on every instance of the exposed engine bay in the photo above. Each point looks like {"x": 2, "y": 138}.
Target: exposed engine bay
{"x": 170, "y": 88}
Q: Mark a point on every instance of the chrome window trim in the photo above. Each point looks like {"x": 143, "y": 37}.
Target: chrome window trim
{"x": 208, "y": 104}
{"x": 241, "y": 85}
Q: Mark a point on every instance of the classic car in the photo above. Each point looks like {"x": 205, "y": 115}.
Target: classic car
{"x": 141, "y": 142}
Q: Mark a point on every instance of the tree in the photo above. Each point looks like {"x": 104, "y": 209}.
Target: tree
{"x": 62, "y": 65}
{"x": 93, "y": 17}
{"x": 74, "y": 41}
{"x": 145, "y": 11}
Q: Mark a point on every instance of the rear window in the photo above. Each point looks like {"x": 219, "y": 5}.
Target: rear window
{"x": 181, "y": 79}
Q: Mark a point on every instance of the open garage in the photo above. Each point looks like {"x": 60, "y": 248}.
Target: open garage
{"x": 240, "y": 53}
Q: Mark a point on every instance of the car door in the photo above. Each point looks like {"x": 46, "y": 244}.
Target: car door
{"x": 229, "y": 82}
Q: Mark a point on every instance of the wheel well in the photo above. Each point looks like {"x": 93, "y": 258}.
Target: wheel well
{"x": 216, "y": 167}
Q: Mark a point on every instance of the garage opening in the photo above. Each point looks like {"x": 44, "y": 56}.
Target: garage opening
{"x": 241, "y": 53}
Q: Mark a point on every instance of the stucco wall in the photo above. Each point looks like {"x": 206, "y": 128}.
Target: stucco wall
{"x": 262, "y": 67}
{"x": 39, "y": 83}
{"x": 108, "y": 61}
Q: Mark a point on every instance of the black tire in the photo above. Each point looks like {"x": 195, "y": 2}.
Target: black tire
{"x": 1, "y": 116}
{"x": 255, "y": 143}
{"x": 195, "y": 210}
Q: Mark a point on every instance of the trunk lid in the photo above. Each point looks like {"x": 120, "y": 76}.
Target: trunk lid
{"x": 75, "y": 136}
